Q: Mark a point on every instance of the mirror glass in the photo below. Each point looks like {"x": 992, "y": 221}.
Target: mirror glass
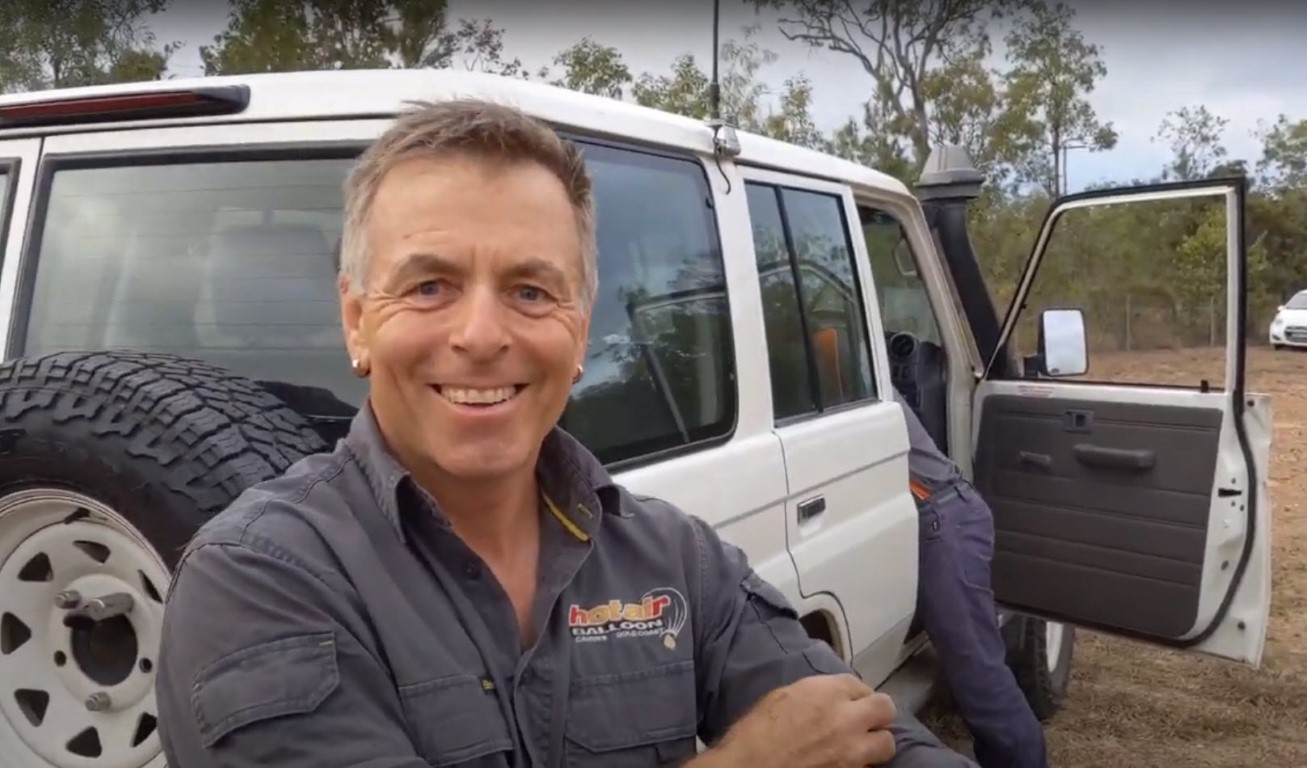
{"x": 1062, "y": 337}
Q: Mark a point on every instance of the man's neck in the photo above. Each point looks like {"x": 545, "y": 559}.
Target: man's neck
{"x": 496, "y": 518}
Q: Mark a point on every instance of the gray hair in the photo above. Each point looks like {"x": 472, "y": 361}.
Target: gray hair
{"x": 470, "y": 127}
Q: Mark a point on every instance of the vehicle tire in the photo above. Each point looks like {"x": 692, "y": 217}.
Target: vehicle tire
{"x": 1040, "y": 655}
{"x": 109, "y": 462}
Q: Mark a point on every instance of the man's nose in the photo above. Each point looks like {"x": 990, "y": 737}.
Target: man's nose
{"x": 480, "y": 329}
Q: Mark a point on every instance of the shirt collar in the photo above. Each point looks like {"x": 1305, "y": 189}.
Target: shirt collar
{"x": 573, "y": 481}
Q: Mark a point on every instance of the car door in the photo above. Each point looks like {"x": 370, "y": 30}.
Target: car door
{"x": 850, "y": 521}
{"x": 1131, "y": 497}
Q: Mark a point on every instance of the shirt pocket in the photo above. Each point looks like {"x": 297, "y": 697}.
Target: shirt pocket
{"x": 456, "y": 720}
{"x": 291, "y": 676}
{"x": 637, "y": 718}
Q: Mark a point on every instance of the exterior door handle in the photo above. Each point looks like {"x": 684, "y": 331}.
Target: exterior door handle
{"x": 810, "y": 508}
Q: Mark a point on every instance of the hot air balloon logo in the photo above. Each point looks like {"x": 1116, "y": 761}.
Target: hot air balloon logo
{"x": 660, "y": 612}
{"x": 674, "y": 613}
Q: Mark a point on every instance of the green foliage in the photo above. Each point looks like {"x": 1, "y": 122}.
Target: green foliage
{"x": 1054, "y": 69}
{"x": 68, "y": 43}
{"x": 1145, "y": 275}
{"x": 294, "y": 35}
{"x": 1194, "y": 137}
{"x": 593, "y": 68}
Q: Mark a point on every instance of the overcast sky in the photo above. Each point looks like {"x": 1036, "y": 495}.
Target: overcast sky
{"x": 1244, "y": 60}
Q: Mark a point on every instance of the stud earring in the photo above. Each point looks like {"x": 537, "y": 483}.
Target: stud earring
{"x": 360, "y": 368}
{"x": 580, "y": 371}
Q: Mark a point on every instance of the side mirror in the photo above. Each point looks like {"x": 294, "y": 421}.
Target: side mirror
{"x": 1063, "y": 348}
{"x": 903, "y": 258}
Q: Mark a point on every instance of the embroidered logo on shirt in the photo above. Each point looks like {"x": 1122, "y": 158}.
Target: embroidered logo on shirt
{"x": 662, "y": 611}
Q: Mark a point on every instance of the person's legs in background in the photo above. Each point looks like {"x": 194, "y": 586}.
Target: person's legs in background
{"x": 957, "y": 607}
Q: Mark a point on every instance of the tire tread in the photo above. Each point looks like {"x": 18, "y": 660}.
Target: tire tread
{"x": 210, "y": 432}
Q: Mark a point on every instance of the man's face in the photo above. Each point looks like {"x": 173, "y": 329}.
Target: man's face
{"x": 472, "y": 323}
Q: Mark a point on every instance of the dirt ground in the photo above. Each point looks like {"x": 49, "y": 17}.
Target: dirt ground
{"x": 1136, "y": 705}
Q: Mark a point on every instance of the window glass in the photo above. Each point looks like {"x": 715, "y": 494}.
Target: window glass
{"x": 660, "y": 368}
{"x": 4, "y": 208}
{"x": 234, "y": 263}
{"x": 787, "y": 349}
{"x": 832, "y": 303}
{"x": 806, "y": 232}
{"x": 230, "y": 262}
{"x": 904, "y": 303}
{"x": 1149, "y": 277}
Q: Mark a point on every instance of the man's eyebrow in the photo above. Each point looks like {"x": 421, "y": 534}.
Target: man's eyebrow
{"x": 419, "y": 263}
{"x": 538, "y": 268}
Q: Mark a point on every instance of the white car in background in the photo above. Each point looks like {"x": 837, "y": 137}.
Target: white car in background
{"x": 1289, "y": 328}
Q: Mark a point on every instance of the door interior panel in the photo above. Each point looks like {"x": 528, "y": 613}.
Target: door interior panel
{"x": 1100, "y": 509}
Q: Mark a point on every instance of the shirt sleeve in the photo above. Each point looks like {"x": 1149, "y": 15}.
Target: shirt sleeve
{"x": 750, "y": 640}
{"x": 257, "y": 668}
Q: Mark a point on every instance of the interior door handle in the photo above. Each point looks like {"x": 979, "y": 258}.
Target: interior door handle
{"x": 1139, "y": 459}
{"x": 1041, "y": 460}
{"x": 810, "y": 508}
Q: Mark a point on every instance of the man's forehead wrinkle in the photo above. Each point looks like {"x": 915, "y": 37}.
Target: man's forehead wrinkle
{"x": 537, "y": 265}
{"x": 417, "y": 262}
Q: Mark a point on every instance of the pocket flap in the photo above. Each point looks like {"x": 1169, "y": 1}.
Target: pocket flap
{"x": 290, "y": 676}
{"x": 632, "y": 709}
{"x": 454, "y": 719}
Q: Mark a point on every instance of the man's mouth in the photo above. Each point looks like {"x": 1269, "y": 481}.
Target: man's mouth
{"x": 479, "y": 397}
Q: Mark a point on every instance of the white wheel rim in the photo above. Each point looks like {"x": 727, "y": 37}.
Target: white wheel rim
{"x": 49, "y": 672}
{"x": 1053, "y": 643}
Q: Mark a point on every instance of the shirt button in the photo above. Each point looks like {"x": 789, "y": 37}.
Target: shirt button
{"x": 472, "y": 571}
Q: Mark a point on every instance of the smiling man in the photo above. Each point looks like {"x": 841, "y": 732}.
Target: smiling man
{"x": 443, "y": 588}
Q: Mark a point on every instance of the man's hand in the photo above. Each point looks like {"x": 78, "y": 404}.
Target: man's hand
{"x": 823, "y": 721}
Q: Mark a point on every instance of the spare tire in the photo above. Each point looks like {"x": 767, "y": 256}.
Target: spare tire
{"x": 109, "y": 462}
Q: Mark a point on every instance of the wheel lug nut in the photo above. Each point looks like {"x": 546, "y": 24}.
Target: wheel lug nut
{"x": 98, "y": 701}
{"x": 69, "y": 598}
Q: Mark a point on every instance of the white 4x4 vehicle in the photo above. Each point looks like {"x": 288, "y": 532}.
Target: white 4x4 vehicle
{"x": 169, "y": 319}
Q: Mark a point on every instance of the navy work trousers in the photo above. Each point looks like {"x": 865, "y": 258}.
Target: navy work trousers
{"x": 956, "y": 604}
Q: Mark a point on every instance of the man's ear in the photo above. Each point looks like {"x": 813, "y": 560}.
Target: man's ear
{"x": 351, "y": 318}
{"x": 583, "y": 342}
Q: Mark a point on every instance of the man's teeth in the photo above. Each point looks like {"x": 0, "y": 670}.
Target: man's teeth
{"x": 477, "y": 396}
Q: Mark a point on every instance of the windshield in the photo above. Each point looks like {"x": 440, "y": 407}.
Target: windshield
{"x": 1299, "y": 301}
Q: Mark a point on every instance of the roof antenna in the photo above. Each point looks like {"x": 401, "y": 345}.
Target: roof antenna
{"x": 724, "y": 140}
{"x": 715, "y": 88}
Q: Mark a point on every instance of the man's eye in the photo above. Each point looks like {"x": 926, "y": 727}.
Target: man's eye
{"x": 428, "y": 288}
{"x": 530, "y": 293}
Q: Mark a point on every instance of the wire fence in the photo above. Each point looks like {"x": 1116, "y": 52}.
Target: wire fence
{"x": 1138, "y": 323}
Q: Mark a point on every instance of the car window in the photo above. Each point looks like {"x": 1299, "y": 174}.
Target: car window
{"x": 816, "y": 325}
{"x": 1299, "y": 301}
{"x": 787, "y": 348}
{"x": 904, "y": 302}
{"x": 660, "y": 371}
{"x": 233, "y": 262}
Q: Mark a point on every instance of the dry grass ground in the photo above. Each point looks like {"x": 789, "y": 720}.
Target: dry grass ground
{"x": 1137, "y": 705}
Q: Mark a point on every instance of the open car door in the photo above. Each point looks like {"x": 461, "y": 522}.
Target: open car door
{"x": 1136, "y": 509}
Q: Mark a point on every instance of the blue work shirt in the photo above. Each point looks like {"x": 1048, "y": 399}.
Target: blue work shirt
{"x": 331, "y": 617}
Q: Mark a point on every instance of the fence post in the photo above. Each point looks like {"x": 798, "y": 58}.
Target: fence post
{"x": 1211, "y": 322}
{"x": 1129, "y": 343}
